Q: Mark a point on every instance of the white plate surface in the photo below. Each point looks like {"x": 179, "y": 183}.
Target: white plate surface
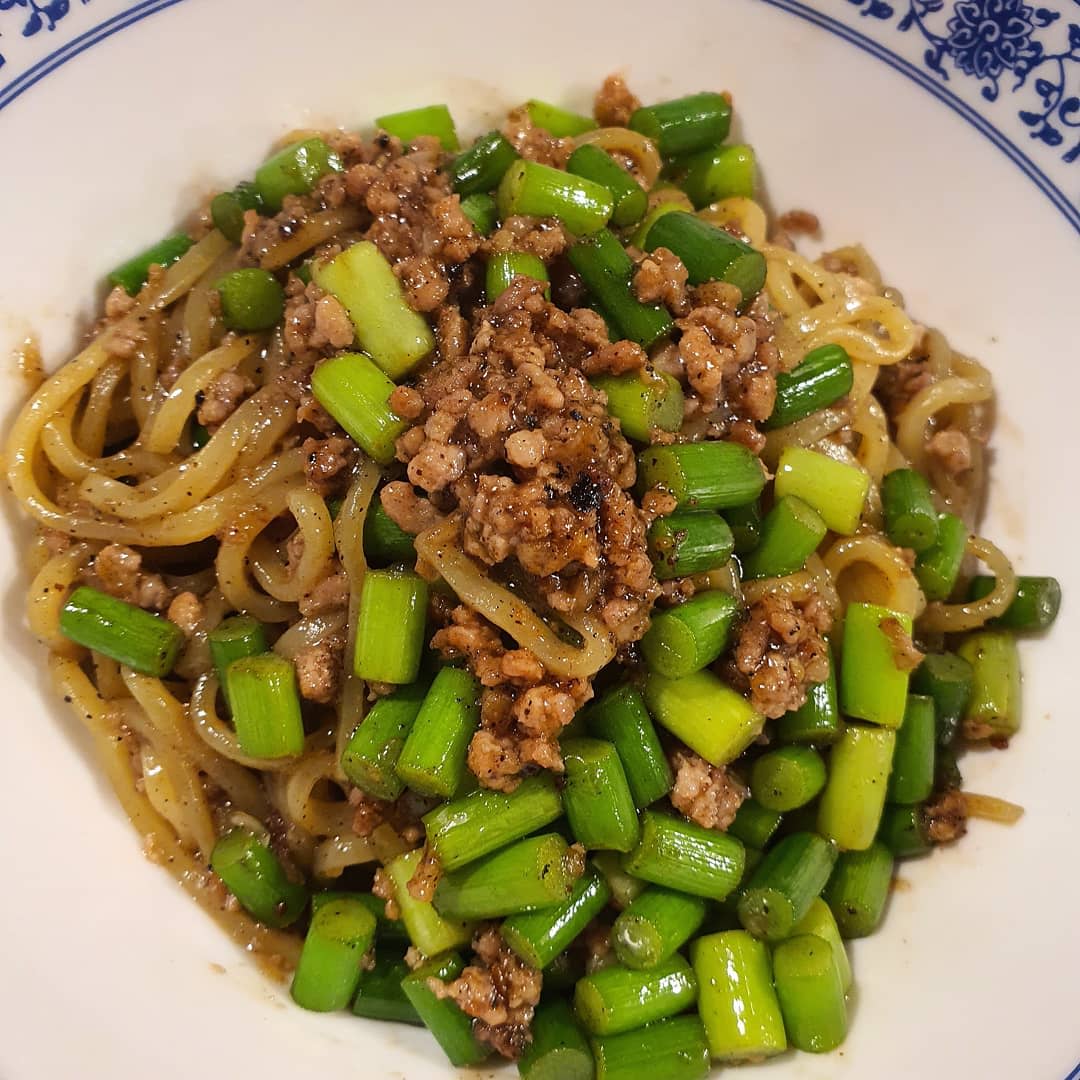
{"x": 108, "y": 970}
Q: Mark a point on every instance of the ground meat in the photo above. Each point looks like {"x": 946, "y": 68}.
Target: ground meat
{"x": 799, "y": 222}
{"x": 661, "y": 276}
{"x": 406, "y": 509}
{"x": 952, "y": 449}
{"x": 222, "y": 397}
{"x": 403, "y": 814}
{"x": 946, "y": 817}
{"x": 187, "y": 612}
{"x": 425, "y": 877}
{"x": 614, "y": 104}
{"x": 383, "y": 888}
{"x": 906, "y": 656}
{"x": 596, "y": 940}
{"x": 616, "y": 358}
{"x": 781, "y": 651}
{"x": 118, "y": 571}
{"x": 543, "y": 237}
{"x": 332, "y": 592}
{"x": 318, "y": 670}
{"x": 534, "y": 143}
{"x": 897, "y": 384}
{"x": 500, "y": 991}
{"x": 706, "y": 794}
{"x": 406, "y": 402}
{"x": 328, "y": 462}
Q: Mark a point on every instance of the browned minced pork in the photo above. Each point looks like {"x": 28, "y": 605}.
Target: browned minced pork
{"x": 614, "y": 104}
{"x": 383, "y": 888}
{"x": 781, "y": 651}
{"x": 319, "y": 668}
{"x": 946, "y": 817}
{"x": 500, "y": 991}
{"x": 906, "y": 655}
{"x": 952, "y": 449}
{"x": 897, "y": 384}
{"x": 515, "y": 440}
{"x": 222, "y": 397}
{"x": 328, "y": 463}
{"x": 332, "y": 592}
{"x": 425, "y": 877}
{"x": 118, "y": 570}
{"x": 706, "y": 794}
{"x": 186, "y": 611}
{"x": 534, "y": 143}
{"x": 799, "y": 221}
{"x": 403, "y": 814}
{"x": 599, "y": 952}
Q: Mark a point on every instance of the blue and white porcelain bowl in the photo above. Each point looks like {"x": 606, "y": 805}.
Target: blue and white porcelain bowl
{"x": 943, "y": 134}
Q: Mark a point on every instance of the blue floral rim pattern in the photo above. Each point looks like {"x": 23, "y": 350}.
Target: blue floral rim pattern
{"x": 986, "y": 60}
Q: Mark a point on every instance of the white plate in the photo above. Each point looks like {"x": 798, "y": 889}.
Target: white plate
{"x": 116, "y": 119}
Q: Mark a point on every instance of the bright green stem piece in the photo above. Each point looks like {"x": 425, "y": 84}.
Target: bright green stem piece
{"x": 787, "y": 778}
{"x": 481, "y": 210}
{"x": 938, "y": 567}
{"x": 396, "y": 337}
{"x": 232, "y": 639}
{"x": 411, "y": 124}
{"x": 620, "y": 717}
{"x": 681, "y": 855}
{"x": 532, "y": 874}
{"x": 817, "y": 720}
{"x": 528, "y": 187}
{"x": 714, "y": 720}
{"x": 132, "y": 274}
{"x": 432, "y": 762}
{"x": 356, "y": 393}
{"x": 689, "y": 542}
{"x": 625, "y": 888}
{"x": 428, "y": 930}
{"x": 1034, "y": 608}
{"x": 712, "y": 175}
{"x": 483, "y": 821}
{"x": 380, "y": 996}
{"x": 702, "y": 475}
{"x": 294, "y": 170}
{"x": 851, "y": 804}
{"x": 790, "y": 534}
{"x": 453, "y": 1029}
{"x": 674, "y": 1049}
{"x": 688, "y": 637}
{"x": 123, "y": 632}
{"x": 859, "y": 888}
{"x": 737, "y": 1002}
{"x": 328, "y": 971}
{"x": 820, "y": 922}
{"x": 754, "y": 825}
{"x": 619, "y": 999}
{"x": 480, "y": 168}
{"x": 607, "y": 271}
{"x": 685, "y": 125}
{"x": 993, "y": 709}
{"x": 557, "y": 121}
{"x": 370, "y": 757}
{"x": 629, "y": 197}
{"x": 784, "y": 884}
{"x": 265, "y": 705}
{"x": 873, "y": 686}
{"x": 390, "y": 626}
{"x": 835, "y": 490}
{"x": 819, "y": 380}
{"x": 253, "y": 874}
{"x": 655, "y": 926}
{"x": 810, "y": 992}
{"x": 504, "y": 266}
{"x": 597, "y": 797}
{"x": 708, "y": 252}
{"x": 559, "y": 1050}
{"x": 538, "y": 937}
{"x": 946, "y": 680}
{"x": 251, "y": 299}
{"x": 643, "y": 401}
{"x": 385, "y": 542}
{"x": 911, "y": 520}
{"x": 227, "y": 210}
{"x": 912, "y": 777}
